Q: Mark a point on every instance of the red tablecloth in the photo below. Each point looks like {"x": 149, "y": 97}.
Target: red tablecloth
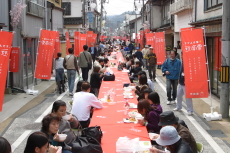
{"x": 111, "y": 117}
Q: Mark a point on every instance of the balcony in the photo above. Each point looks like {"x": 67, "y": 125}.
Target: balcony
{"x": 180, "y": 5}
{"x": 35, "y": 9}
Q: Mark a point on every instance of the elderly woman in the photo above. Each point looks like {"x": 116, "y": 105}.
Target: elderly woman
{"x": 50, "y": 125}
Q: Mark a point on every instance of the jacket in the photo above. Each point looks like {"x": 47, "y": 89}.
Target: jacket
{"x": 153, "y": 120}
{"x": 56, "y": 143}
{"x": 151, "y": 59}
{"x": 82, "y": 59}
{"x": 173, "y": 66}
{"x": 131, "y": 46}
{"x": 181, "y": 76}
{"x": 95, "y": 51}
{"x": 187, "y": 137}
{"x": 182, "y": 147}
{"x": 65, "y": 127}
{"x": 95, "y": 80}
{"x": 70, "y": 63}
{"x": 135, "y": 71}
{"x": 139, "y": 55}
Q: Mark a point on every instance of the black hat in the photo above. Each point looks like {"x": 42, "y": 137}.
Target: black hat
{"x": 168, "y": 118}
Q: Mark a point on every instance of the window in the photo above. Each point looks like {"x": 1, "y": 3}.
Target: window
{"x": 209, "y": 4}
{"x": 67, "y": 7}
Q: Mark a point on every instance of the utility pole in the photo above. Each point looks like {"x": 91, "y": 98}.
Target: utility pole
{"x": 224, "y": 95}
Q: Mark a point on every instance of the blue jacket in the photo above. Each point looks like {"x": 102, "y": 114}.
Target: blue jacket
{"x": 126, "y": 49}
{"x": 173, "y": 66}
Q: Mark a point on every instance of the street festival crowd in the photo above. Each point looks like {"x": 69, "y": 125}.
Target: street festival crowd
{"x": 71, "y": 130}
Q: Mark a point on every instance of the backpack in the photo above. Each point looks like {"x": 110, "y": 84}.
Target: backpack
{"x": 152, "y": 59}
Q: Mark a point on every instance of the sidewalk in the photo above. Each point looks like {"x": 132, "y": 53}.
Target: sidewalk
{"x": 14, "y": 105}
{"x": 218, "y": 129}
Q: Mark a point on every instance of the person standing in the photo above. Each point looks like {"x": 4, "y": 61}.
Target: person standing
{"x": 84, "y": 60}
{"x": 60, "y": 73}
{"x": 151, "y": 62}
{"x": 70, "y": 63}
{"x": 93, "y": 51}
{"x": 171, "y": 68}
{"x": 145, "y": 52}
{"x": 139, "y": 55}
{"x": 131, "y": 47}
{"x": 98, "y": 50}
{"x": 181, "y": 91}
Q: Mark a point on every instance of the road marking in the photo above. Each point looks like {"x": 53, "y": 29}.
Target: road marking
{"x": 20, "y": 139}
{"x": 202, "y": 131}
{"x": 48, "y": 110}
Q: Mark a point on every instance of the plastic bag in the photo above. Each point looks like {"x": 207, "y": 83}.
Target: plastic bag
{"x": 126, "y": 145}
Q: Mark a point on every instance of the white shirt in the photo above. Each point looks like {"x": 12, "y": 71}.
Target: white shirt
{"x": 96, "y": 63}
{"x": 82, "y": 103}
{"x": 136, "y": 60}
{"x": 150, "y": 83}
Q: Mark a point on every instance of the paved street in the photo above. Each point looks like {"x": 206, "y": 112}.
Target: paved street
{"x": 29, "y": 121}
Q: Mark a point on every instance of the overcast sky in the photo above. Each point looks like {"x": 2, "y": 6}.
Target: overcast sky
{"x": 116, "y": 7}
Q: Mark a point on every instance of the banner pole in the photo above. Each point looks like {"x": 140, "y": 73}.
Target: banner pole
{"x": 210, "y": 92}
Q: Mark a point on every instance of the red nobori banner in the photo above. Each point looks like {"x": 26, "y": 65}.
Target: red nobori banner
{"x": 82, "y": 41}
{"x": 77, "y": 48}
{"x": 150, "y": 39}
{"x": 14, "y": 59}
{"x": 160, "y": 47}
{"x": 194, "y": 60}
{"x": 57, "y": 44}
{"x": 6, "y": 39}
{"x": 68, "y": 45}
{"x": 94, "y": 38}
{"x": 45, "y": 54}
{"x": 89, "y": 38}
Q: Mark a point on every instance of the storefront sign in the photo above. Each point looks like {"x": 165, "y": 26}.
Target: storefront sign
{"x": 160, "y": 47}
{"x": 194, "y": 60}
{"x": 5, "y": 49}
{"x": 14, "y": 58}
{"x": 45, "y": 54}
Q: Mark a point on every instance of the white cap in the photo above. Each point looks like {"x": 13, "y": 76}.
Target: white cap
{"x": 168, "y": 136}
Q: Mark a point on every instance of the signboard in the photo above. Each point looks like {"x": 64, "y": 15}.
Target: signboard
{"x": 14, "y": 59}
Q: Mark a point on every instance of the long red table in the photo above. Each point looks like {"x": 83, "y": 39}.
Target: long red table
{"x": 110, "y": 118}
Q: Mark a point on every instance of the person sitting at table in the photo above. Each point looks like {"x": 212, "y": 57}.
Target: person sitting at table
{"x": 132, "y": 64}
{"x": 50, "y": 125}
{"x": 78, "y": 88}
{"x": 134, "y": 71}
{"x": 5, "y": 146}
{"x": 147, "y": 91}
{"x": 127, "y": 62}
{"x": 95, "y": 80}
{"x": 150, "y": 83}
{"x": 172, "y": 141}
{"x": 154, "y": 101}
{"x": 96, "y": 62}
{"x": 106, "y": 60}
{"x": 101, "y": 65}
{"x": 135, "y": 58}
{"x": 65, "y": 127}
{"x": 168, "y": 118}
{"x": 82, "y": 103}
{"x": 141, "y": 87}
{"x": 37, "y": 142}
{"x": 151, "y": 117}
{"x": 102, "y": 56}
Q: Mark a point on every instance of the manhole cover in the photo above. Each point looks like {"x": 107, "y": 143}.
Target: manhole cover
{"x": 216, "y": 133}
{"x": 34, "y": 126}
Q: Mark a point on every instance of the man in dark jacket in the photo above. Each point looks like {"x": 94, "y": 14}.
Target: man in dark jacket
{"x": 134, "y": 71}
{"x": 93, "y": 52}
{"x": 139, "y": 54}
{"x": 131, "y": 47}
{"x": 168, "y": 118}
{"x": 151, "y": 62}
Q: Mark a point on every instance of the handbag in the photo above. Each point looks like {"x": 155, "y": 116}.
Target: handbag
{"x": 94, "y": 132}
{"x": 89, "y": 64}
{"x": 109, "y": 77}
{"x": 86, "y": 145}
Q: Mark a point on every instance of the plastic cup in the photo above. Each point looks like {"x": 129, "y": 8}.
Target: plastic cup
{"x": 66, "y": 117}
